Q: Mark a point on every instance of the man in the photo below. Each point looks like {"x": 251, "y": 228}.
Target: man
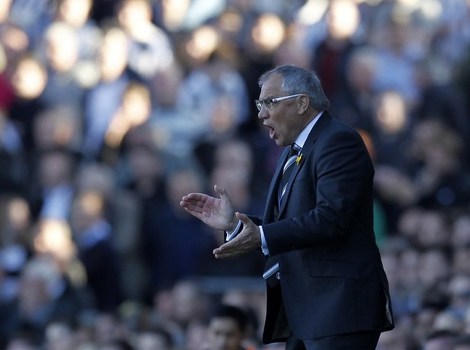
{"x": 227, "y": 326}
{"x": 326, "y": 287}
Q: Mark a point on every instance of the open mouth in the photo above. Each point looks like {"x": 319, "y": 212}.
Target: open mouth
{"x": 272, "y": 132}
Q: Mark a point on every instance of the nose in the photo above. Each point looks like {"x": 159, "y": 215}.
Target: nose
{"x": 263, "y": 113}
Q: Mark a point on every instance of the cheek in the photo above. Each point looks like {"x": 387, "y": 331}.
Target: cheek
{"x": 286, "y": 130}
{"x": 281, "y": 123}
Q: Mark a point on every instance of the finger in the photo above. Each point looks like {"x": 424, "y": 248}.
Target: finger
{"x": 193, "y": 197}
{"x": 191, "y": 206}
{"x": 195, "y": 210}
{"x": 243, "y": 218}
{"x": 222, "y": 250}
{"x": 217, "y": 253}
{"x": 224, "y": 255}
{"x": 185, "y": 199}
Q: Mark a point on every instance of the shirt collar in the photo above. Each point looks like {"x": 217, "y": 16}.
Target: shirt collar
{"x": 300, "y": 141}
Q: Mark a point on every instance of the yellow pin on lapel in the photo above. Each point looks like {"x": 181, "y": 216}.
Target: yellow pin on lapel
{"x": 298, "y": 159}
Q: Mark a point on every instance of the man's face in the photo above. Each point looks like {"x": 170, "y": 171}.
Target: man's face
{"x": 224, "y": 334}
{"x": 283, "y": 121}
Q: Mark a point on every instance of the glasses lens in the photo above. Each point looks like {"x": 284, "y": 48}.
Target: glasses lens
{"x": 268, "y": 104}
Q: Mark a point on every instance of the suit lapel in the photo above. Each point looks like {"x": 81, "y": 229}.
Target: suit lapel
{"x": 306, "y": 153}
{"x": 273, "y": 188}
{"x": 292, "y": 176}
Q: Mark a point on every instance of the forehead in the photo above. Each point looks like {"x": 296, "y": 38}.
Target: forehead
{"x": 272, "y": 86}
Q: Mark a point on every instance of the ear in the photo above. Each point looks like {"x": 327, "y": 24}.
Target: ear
{"x": 302, "y": 104}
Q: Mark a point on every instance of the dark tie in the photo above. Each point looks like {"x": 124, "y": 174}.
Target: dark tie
{"x": 287, "y": 170}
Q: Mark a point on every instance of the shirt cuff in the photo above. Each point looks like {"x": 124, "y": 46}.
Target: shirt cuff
{"x": 264, "y": 245}
{"x": 234, "y": 233}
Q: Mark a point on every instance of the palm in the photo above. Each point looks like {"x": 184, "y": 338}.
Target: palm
{"x": 215, "y": 212}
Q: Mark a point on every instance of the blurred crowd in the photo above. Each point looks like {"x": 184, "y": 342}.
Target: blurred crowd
{"x": 111, "y": 110}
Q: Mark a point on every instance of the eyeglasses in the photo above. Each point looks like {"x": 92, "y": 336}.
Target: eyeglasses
{"x": 269, "y": 103}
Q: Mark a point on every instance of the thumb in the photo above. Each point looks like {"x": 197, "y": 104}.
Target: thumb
{"x": 220, "y": 191}
{"x": 243, "y": 218}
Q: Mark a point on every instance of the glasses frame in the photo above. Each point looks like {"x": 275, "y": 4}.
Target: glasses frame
{"x": 269, "y": 103}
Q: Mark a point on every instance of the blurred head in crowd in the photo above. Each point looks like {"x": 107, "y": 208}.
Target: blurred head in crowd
{"x": 59, "y": 336}
{"x": 232, "y": 170}
{"x": 136, "y": 103}
{"x": 15, "y": 42}
{"x": 15, "y": 220}
{"x": 15, "y": 242}
{"x": 409, "y": 223}
{"x": 146, "y": 169}
{"x": 439, "y": 340}
{"x": 200, "y": 45}
{"x": 57, "y": 126}
{"x": 29, "y": 77}
{"x": 154, "y": 340}
{"x": 227, "y": 326}
{"x": 113, "y": 53}
{"x": 133, "y": 14}
{"x": 5, "y": 7}
{"x": 55, "y": 168}
{"x": 88, "y": 208}
{"x": 361, "y": 68}
{"x": 96, "y": 177}
{"x": 134, "y": 110}
{"x": 20, "y": 343}
{"x": 189, "y": 303}
{"x": 434, "y": 267}
{"x": 174, "y": 13}
{"x": 448, "y": 320}
{"x": 106, "y": 329}
{"x": 223, "y": 115}
{"x": 267, "y": 34}
{"x": 62, "y": 48}
{"x": 179, "y": 182}
{"x": 74, "y": 12}
{"x": 54, "y": 238}
{"x": 233, "y": 154}
{"x": 40, "y": 282}
{"x": 433, "y": 231}
{"x": 459, "y": 292}
{"x": 438, "y": 146}
{"x": 165, "y": 86}
{"x": 343, "y": 19}
{"x": 391, "y": 114}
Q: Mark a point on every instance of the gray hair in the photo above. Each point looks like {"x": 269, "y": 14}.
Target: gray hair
{"x": 297, "y": 80}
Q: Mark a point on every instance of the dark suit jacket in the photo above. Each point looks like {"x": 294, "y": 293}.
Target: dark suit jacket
{"x": 331, "y": 276}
